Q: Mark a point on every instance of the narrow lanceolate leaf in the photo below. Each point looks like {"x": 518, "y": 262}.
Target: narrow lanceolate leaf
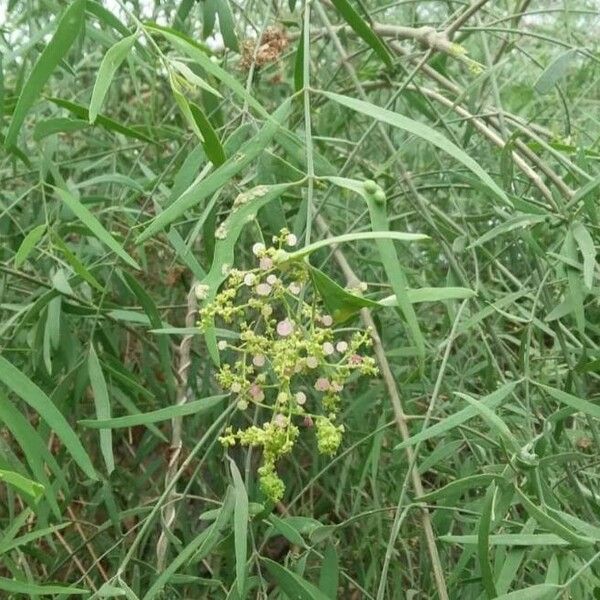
{"x": 92, "y": 223}
{"x": 483, "y": 549}
{"x": 579, "y": 404}
{"x": 240, "y": 527}
{"x": 211, "y": 142}
{"x": 509, "y": 225}
{"x": 534, "y": 592}
{"x": 28, "y": 244}
{"x": 422, "y": 131}
{"x": 460, "y": 485}
{"x": 551, "y": 524}
{"x": 112, "y": 60}
{"x": 292, "y": 584}
{"x": 363, "y": 30}
{"x": 67, "y": 31}
{"x": 33, "y": 589}
{"x": 554, "y": 72}
{"x": 458, "y": 418}
{"x": 586, "y": 246}
{"x": 23, "y": 387}
{"x": 17, "y": 481}
{"x": 216, "y": 180}
{"x": 102, "y": 404}
{"x": 162, "y": 414}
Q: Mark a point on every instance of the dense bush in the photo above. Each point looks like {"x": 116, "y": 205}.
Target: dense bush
{"x": 299, "y": 299}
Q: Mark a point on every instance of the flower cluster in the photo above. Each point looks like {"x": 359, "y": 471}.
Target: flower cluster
{"x": 288, "y": 360}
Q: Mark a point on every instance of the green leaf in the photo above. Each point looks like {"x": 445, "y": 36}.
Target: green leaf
{"x": 66, "y": 33}
{"x": 579, "y": 404}
{"x": 112, "y": 60}
{"x": 291, "y": 584}
{"x": 554, "y": 72}
{"x": 494, "y": 421}
{"x": 509, "y": 225}
{"x": 240, "y": 527}
{"x": 197, "y": 549}
{"x": 102, "y": 404}
{"x": 451, "y": 422}
{"x": 330, "y": 572}
{"x": 216, "y": 180}
{"x": 420, "y": 130}
{"x": 465, "y": 483}
{"x": 586, "y": 246}
{"x": 33, "y": 589}
{"x": 48, "y": 127}
{"x": 428, "y": 294}
{"x": 340, "y": 303}
{"x": 28, "y": 244}
{"x": 508, "y": 539}
{"x": 101, "y": 121}
{"x": 162, "y": 414}
{"x": 551, "y": 524}
{"x": 90, "y": 221}
{"x": 534, "y": 592}
{"x": 211, "y": 142}
{"x": 354, "y": 237}
{"x": 363, "y": 30}
{"x": 226, "y": 25}
{"x": 27, "y": 486}
{"x": 286, "y": 530}
{"x": 483, "y": 550}
{"x": 23, "y": 387}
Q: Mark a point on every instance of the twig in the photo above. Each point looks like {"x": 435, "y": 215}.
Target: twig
{"x": 176, "y": 427}
{"x": 399, "y": 414}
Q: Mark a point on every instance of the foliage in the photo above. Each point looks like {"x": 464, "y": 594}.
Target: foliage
{"x": 430, "y": 174}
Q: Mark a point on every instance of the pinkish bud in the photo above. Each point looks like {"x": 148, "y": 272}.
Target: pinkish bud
{"x": 285, "y": 328}
{"x": 308, "y": 422}
{"x": 280, "y": 420}
{"x": 355, "y": 359}
{"x": 265, "y": 263}
{"x": 322, "y": 384}
{"x": 256, "y": 393}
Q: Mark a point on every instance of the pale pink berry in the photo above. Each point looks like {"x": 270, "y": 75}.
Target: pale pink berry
{"x": 341, "y": 346}
{"x": 280, "y": 420}
{"x": 300, "y": 398}
{"x": 355, "y": 359}
{"x": 249, "y": 279}
{"x": 272, "y": 279}
{"x": 263, "y": 289}
{"x": 322, "y": 384}
{"x": 285, "y": 328}
{"x": 336, "y": 387}
{"x": 258, "y": 360}
{"x": 256, "y": 393}
{"x": 328, "y": 348}
{"x": 294, "y": 288}
{"x": 291, "y": 239}
{"x": 265, "y": 263}
{"x": 236, "y": 388}
{"x": 258, "y": 248}
{"x": 327, "y": 320}
{"x": 308, "y": 422}
{"x": 312, "y": 362}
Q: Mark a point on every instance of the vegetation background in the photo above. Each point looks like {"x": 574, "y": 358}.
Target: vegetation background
{"x": 469, "y": 467}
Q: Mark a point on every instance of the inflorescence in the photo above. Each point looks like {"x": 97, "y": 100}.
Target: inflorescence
{"x": 288, "y": 359}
